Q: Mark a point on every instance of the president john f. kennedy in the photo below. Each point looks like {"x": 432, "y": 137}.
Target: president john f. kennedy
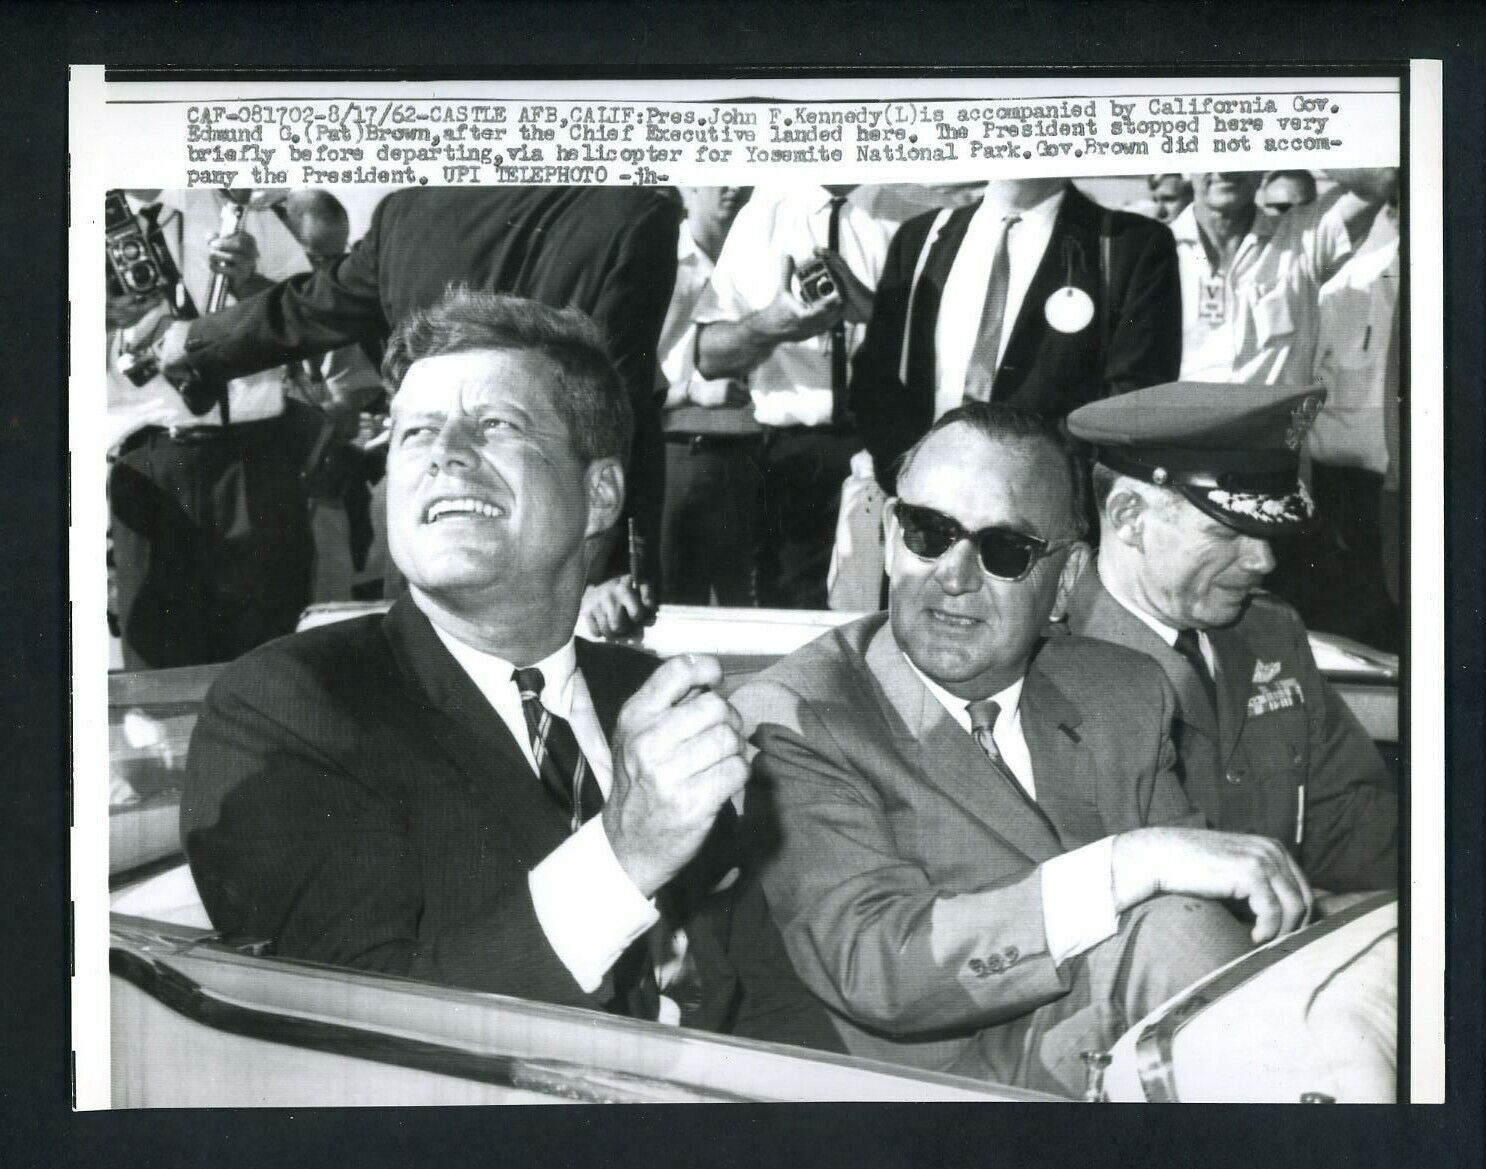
{"x": 460, "y": 791}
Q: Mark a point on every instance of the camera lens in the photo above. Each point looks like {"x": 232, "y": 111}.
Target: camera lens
{"x": 824, "y": 287}
{"x": 143, "y": 276}
{"x": 131, "y": 250}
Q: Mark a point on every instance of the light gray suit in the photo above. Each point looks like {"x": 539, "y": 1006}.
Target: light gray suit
{"x": 904, "y": 874}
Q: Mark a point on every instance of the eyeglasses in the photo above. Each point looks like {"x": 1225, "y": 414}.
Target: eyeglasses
{"x": 1005, "y": 554}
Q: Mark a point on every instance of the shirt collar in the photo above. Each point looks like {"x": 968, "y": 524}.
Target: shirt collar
{"x": 489, "y": 670}
{"x": 688, "y": 251}
{"x": 1009, "y": 699}
{"x": 1184, "y": 226}
{"x": 1046, "y": 210}
{"x": 1162, "y": 630}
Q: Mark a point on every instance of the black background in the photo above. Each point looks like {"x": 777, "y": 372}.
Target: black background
{"x": 36, "y": 44}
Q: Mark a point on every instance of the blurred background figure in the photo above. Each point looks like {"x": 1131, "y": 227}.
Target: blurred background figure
{"x": 1284, "y": 189}
{"x": 792, "y": 339}
{"x": 344, "y": 388}
{"x": 208, "y": 514}
{"x": 709, "y": 524}
{"x": 1171, "y": 194}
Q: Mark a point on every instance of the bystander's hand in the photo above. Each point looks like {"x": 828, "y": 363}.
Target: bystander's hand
{"x": 618, "y": 607}
{"x": 1217, "y": 865}
{"x": 788, "y": 318}
{"x": 236, "y": 255}
{"x": 856, "y": 297}
{"x": 678, "y": 757}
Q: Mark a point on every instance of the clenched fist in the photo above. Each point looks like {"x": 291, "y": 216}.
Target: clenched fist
{"x": 678, "y": 757}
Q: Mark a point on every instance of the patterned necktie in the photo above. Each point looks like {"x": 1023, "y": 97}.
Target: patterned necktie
{"x": 838, "y": 331}
{"x": 565, "y": 773}
{"x": 980, "y": 375}
{"x": 1189, "y": 645}
{"x": 983, "y": 716}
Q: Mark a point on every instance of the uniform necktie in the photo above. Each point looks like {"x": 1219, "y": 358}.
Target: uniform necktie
{"x": 838, "y": 331}
{"x": 1189, "y": 645}
{"x": 564, "y": 772}
{"x": 980, "y": 375}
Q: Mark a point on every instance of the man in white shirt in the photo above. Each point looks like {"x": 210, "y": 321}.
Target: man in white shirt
{"x": 709, "y": 522}
{"x": 794, "y": 353}
{"x": 459, "y": 791}
{"x": 978, "y": 827}
{"x": 1250, "y": 281}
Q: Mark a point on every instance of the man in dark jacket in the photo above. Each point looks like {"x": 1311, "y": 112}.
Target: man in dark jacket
{"x": 461, "y": 791}
{"x": 1035, "y": 297}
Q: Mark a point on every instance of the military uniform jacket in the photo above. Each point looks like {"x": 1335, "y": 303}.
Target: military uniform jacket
{"x": 1286, "y": 757}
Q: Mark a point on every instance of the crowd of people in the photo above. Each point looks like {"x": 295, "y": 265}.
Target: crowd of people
{"x": 981, "y": 830}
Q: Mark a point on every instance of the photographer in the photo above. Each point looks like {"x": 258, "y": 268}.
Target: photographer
{"x": 209, "y": 517}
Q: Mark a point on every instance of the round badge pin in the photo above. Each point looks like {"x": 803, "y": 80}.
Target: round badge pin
{"x": 1069, "y": 310}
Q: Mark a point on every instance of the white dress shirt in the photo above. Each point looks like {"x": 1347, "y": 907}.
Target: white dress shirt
{"x": 678, "y": 336}
{"x": 792, "y": 386}
{"x": 964, "y": 296}
{"x": 1078, "y": 906}
{"x": 585, "y": 902}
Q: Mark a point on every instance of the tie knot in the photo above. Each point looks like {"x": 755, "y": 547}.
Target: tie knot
{"x": 983, "y": 714}
{"x": 1010, "y": 221}
{"x": 1188, "y": 644}
{"x": 530, "y": 682}
{"x": 838, "y": 200}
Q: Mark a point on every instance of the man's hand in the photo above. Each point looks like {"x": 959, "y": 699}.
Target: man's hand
{"x": 856, "y": 297}
{"x": 618, "y": 607}
{"x": 788, "y": 318}
{"x": 1216, "y": 865}
{"x": 678, "y": 757}
{"x": 236, "y": 255}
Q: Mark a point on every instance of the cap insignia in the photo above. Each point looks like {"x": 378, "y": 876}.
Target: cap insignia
{"x": 1302, "y": 418}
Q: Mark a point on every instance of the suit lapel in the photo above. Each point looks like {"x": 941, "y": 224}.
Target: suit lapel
{"x": 469, "y": 732}
{"x": 1062, "y": 764}
{"x": 927, "y": 294}
{"x": 1076, "y": 221}
{"x": 950, "y": 761}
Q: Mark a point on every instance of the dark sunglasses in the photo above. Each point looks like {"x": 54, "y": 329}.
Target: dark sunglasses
{"x": 1005, "y": 554}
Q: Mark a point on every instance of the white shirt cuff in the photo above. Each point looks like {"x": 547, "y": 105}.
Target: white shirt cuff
{"x": 587, "y": 906}
{"x": 1078, "y": 905}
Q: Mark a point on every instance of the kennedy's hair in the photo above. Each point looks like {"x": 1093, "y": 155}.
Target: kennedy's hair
{"x": 1008, "y": 424}
{"x": 586, "y": 392}
{"x": 1306, "y": 180}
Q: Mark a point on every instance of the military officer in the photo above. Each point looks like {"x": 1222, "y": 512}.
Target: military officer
{"x": 1191, "y": 483}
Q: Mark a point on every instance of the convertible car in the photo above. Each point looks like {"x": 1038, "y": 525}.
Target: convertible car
{"x": 196, "y": 1022}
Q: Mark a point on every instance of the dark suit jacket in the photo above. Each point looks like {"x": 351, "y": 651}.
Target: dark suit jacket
{"x": 1043, "y": 370}
{"x": 608, "y": 251}
{"x": 351, "y": 796}
{"x": 904, "y": 876}
{"x": 1272, "y": 741}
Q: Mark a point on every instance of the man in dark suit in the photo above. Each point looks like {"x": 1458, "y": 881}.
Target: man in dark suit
{"x": 608, "y": 251}
{"x": 974, "y": 823}
{"x": 461, "y": 792}
{"x": 1192, "y": 483}
{"x": 1034, "y": 296}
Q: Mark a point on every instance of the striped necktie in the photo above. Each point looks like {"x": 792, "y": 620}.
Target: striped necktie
{"x": 564, "y": 771}
{"x": 983, "y": 715}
